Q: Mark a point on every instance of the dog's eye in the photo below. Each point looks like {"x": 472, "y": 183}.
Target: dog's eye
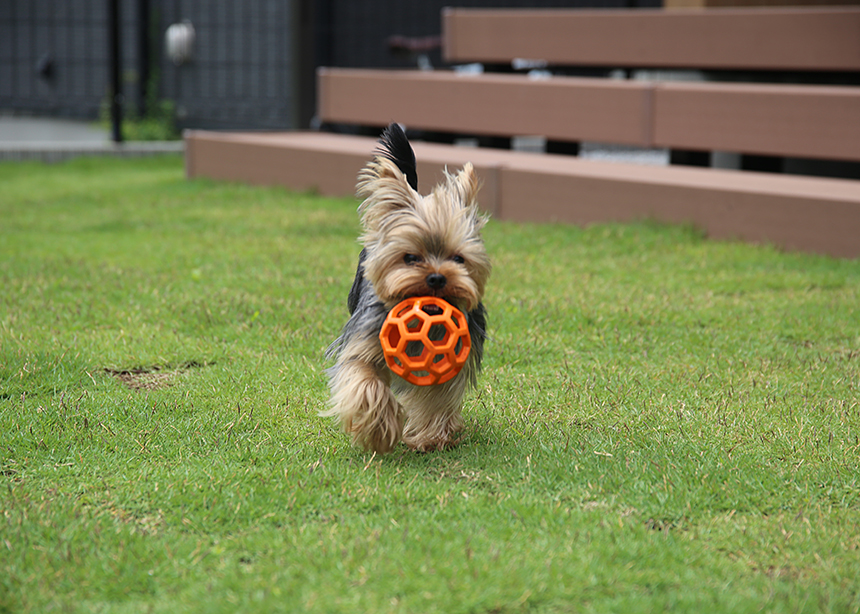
{"x": 411, "y": 259}
{"x": 459, "y": 259}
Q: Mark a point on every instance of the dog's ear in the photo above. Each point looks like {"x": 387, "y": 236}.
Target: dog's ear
{"x": 394, "y": 145}
{"x": 384, "y": 190}
{"x": 388, "y": 183}
{"x": 466, "y": 185}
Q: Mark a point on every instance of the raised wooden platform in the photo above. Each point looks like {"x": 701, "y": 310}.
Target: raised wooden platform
{"x": 796, "y": 213}
{"x": 782, "y": 120}
{"x": 793, "y": 39}
{"x": 563, "y": 108}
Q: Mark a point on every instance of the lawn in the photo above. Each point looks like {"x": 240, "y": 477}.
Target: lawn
{"x": 664, "y": 423}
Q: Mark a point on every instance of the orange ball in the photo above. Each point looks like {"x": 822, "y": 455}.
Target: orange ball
{"x": 425, "y": 340}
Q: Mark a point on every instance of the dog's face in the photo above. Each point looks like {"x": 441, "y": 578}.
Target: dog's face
{"x": 423, "y": 245}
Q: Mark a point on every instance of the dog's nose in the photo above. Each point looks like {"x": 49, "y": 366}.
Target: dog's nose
{"x": 436, "y": 281}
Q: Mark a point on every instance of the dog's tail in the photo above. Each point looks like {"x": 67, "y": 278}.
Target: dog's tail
{"x": 394, "y": 145}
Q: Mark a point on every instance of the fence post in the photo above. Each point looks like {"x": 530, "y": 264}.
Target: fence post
{"x": 115, "y": 76}
{"x": 143, "y": 24}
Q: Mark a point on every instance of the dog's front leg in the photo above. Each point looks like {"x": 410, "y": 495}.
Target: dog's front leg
{"x": 362, "y": 398}
{"x": 433, "y": 415}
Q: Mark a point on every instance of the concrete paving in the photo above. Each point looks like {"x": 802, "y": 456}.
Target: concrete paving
{"x": 44, "y": 130}
{"x": 52, "y": 139}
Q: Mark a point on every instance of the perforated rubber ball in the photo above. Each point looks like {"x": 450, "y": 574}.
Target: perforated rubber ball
{"x": 425, "y": 340}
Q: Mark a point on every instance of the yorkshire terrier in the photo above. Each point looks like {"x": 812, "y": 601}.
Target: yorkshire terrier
{"x": 413, "y": 245}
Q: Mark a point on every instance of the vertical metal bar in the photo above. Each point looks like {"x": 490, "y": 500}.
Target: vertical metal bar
{"x": 115, "y": 77}
{"x": 143, "y": 42}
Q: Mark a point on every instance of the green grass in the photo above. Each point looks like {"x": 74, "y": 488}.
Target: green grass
{"x": 664, "y": 423}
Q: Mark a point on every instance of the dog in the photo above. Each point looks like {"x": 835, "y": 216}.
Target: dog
{"x": 413, "y": 245}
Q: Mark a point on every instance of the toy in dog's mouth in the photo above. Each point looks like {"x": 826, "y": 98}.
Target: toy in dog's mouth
{"x": 425, "y": 340}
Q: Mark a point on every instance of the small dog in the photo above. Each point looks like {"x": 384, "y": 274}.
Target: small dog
{"x": 413, "y": 246}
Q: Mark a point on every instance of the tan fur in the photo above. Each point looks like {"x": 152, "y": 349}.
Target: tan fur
{"x": 438, "y": 227}
{"x": 434, "y": 414}
{"x": 363, "y": 401}
{"x": 398, "y": 220}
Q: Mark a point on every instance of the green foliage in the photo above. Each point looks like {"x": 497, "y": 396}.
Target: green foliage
{"x": 663, "y": 422}
{"x": 158, "y": 123}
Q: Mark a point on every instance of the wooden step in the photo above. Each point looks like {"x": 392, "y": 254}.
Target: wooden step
{"x": 803, "y": 121}
{"x": 325, "y": 163}
{"x": 795, "y": 213}
{"x": 793, "y": 39}
{"x": 782, "y": 120}
{"x": 564, "y": 108}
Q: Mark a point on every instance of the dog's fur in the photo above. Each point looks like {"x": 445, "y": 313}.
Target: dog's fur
{"x": 413, "y": 246}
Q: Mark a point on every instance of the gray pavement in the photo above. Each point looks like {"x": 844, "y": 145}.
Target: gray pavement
{"x": 53, "y": 139}
{"x": 44, "y": 130}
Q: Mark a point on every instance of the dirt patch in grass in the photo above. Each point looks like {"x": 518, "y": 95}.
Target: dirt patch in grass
{"x": 154, "y": 377}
